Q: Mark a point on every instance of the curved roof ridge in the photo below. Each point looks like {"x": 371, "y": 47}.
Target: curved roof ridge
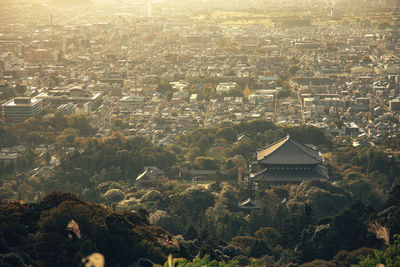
{"x": 302, "y": 152}
{"x": 262, "y": 153}
{"x": 288, "y": 140}
{"x": 276, "y": 142}
{"x": 307, "y": 149}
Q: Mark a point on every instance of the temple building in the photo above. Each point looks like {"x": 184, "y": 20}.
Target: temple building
{"x": 287, "y": 162}
{"x": 248, "y": 205}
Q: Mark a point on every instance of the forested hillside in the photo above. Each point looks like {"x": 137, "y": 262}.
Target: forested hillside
{"x": 61, "y": 230}
{"x": 317, "y": 223}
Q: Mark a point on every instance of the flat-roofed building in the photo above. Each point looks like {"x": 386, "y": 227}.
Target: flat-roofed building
{"x": 21, "y": 108}
{"x": 131, "y": 102}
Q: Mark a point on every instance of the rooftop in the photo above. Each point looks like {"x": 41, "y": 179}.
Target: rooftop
{"x": 287, "y": 151}
{"x": 21, "y": 101}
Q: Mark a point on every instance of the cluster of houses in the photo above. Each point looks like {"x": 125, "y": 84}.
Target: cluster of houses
{"x": 343, "y": 78}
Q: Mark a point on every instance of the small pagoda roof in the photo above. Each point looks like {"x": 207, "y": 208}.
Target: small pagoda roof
{"x": 288, "y": 152}
{"x": 146, "y": 176}
{"x": 249, "y": 204}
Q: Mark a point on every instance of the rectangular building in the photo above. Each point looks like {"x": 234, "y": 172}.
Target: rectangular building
{"x": 21, "y": 108}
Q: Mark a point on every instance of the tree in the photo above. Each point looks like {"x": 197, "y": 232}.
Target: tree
{"x": 284, "y": 93}
{"x": 59, "y": 121}
{"x": 209, "y": 90}
{"x": 191, "y": 233}
{"x": 244, "y": 242}
{"x": 80, "y": 122}
{"x": 269, "y": 235}
{"x": 215, "y": 187}
{"x": 37, "y": 233}
{"x": 67, "y": 136}
{"x": 293, "y": 69}
{"x": 256, "y": 126}
{"x": 206, "y": 163}
{"x": 346, "y": 231}
{"x": 394, "y": 197}
{"x": 118, "y": 123}
{"x": 34, "y": 138}
{"x": 7, "y": 137}
{"x": 165, "y": 159}
{"x": 228, "y": 133}
{"x": 366, "y": 59}
{"x": 163, "y": 219}
{"x": 244, "y": 148}
{"x": 246, "y": 91}
{"x": 168, "y": 95}
{"x": 205, "y": 141}
{"x": 194, "y": 152}
{"x": 259, "y": 248}
{"x": 389, "y": 257}
{"x": 164, "y": 87}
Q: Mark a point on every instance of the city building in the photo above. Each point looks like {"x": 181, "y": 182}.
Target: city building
{"x": 21, "y": 108}
{"x": 131, "y": 102}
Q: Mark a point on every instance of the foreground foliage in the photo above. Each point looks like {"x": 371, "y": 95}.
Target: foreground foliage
{"x": 390, "y": 257}
{"x": 37, "y": 234}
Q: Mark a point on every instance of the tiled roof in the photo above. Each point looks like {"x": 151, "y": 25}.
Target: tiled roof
{"x": 287, "y": 151}
{"x": 147, "y": 175}
{"x": 249, "y": 204}
{"x": 288, "y": 175}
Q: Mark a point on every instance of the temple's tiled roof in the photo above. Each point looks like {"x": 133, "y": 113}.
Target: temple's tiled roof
{"x": 286, "y": 151}
{"x": 288, "y": 175}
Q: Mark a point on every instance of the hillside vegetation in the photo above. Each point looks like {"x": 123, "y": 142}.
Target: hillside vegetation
{"x": 316, "y": 223}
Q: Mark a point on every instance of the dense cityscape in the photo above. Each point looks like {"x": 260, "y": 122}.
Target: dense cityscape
{"x": 248, "y": 133}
